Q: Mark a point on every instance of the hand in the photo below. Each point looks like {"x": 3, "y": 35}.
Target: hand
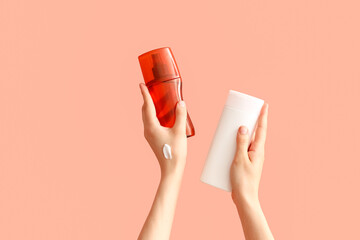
{"x": 245, "y": 172}
{"x": 159, "y": 221}
{"x": 157, "y": 135}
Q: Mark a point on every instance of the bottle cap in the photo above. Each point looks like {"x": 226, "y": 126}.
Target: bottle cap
{"x": 158, "y": 64}
{"x": 244, "y": 102}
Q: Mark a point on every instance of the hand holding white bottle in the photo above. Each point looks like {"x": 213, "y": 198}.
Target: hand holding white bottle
{"x": 240, "y": 109}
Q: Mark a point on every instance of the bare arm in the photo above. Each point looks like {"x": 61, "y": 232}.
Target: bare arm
{"x": 159, "y": 221}
{"x": 245, "y": 178}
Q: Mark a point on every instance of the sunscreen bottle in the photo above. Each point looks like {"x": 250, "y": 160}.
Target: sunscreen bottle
{"x": 240, "y": 109}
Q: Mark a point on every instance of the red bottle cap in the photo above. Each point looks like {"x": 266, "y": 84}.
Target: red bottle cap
{"x": 158, "y": 64}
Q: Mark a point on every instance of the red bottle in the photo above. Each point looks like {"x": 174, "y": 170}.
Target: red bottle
{"x": 162, "y": 77}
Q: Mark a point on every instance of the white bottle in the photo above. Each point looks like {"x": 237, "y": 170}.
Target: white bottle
{"x": 240, "y": 109}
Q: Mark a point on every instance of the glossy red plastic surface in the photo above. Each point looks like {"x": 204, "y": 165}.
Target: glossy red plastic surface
{"x": 163, "y": 80}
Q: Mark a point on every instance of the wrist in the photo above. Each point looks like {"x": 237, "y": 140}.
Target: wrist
{"x": 248, "y": 205}
{"x": 174, "y": 169}
{"x": 173, "y": 176}
{"x": 242, "y": 200}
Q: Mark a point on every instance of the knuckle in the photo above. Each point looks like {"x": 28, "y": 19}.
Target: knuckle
{"x": 176, "y": 131}
{"x": 144, "y": 108}
{"x": 146, "y": 135}
{"x": 149, "y": 132}
{"x": 236, "y": 160}
{"x": 241, "y": 154}
{"x": 242, "y": 140}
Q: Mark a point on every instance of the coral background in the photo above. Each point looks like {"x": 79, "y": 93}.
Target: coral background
{"x": 70, "y": 114}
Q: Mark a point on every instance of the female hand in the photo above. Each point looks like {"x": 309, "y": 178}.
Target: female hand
{"x": 159, "y": 221}
{"x": 245, "y": 172}
{"x": 157, "y": 135}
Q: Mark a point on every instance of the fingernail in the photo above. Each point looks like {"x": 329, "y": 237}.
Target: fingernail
{"x": 243, "y": 130}
{"x": 182, "y": 104}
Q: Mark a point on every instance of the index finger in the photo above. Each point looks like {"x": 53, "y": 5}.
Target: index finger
{"x": 149, "y": 112}
{"x": 261, "y": 129}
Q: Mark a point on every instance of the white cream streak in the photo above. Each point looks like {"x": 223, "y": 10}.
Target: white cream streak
{"x": 167, "y": 151}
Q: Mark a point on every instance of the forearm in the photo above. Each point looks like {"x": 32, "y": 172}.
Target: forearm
{"x": 253, "y": 220}
{"x": 159, "y": 221}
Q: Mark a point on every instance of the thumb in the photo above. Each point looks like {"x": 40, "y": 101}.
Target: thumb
{"x": 242, "y": 143}
{"x": 180, "y": 118}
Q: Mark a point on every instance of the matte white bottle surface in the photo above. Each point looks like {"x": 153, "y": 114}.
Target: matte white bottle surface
{"x": 240, "y": 109}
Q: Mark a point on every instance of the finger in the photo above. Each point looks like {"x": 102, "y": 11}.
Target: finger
{"x": 242, "y": 144}
{"x": 180, "y": 118}
{"x": 148, "y": 109}
{"x": 261, "y": 129}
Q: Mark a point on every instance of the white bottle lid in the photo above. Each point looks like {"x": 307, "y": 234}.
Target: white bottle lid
{"x": 243, "y": 102}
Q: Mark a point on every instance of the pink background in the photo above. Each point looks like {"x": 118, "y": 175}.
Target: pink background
{"x": 70, "y": 114}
